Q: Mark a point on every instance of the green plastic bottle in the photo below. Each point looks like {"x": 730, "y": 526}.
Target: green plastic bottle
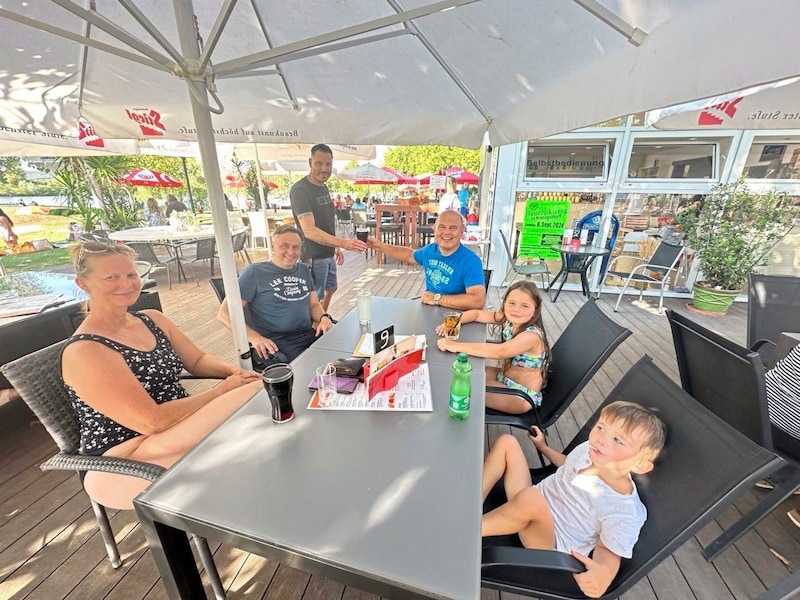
{"x": 460, "y": 388}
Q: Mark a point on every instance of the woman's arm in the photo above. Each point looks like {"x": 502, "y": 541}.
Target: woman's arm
{"x": 194, "y": 360}
{"x": 103, "y": 380}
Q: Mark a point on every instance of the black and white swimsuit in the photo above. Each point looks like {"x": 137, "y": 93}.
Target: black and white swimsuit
{"x": 157, "y": 370}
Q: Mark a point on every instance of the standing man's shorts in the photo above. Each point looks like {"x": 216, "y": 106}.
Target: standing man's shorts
{"x": 323, "y": 270}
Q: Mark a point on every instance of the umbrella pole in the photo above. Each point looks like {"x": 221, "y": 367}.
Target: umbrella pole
{"x": 263, "y": 201}
{"x": 188, "y": 185}
{"x": 184, "y": 17}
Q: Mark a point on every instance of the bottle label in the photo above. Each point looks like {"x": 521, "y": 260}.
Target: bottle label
{"x": 459, "y": 403}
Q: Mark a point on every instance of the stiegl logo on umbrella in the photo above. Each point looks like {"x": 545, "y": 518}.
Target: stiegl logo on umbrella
{"x": 150, "y": 178}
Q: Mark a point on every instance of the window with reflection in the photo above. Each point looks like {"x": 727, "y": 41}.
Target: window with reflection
{"x": 773, "y": 158}
{"x": 670, "y": 159}
{"x": 585, "y": 160}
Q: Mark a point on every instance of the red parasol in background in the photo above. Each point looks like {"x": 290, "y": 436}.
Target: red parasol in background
{"x": 235, "y": 180}
{"x": 150, "y": 178}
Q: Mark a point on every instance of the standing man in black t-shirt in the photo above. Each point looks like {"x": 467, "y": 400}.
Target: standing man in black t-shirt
{"x": 315, "y": 216}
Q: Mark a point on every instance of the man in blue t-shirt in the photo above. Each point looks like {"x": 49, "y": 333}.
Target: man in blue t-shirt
{"x": 280, "y": 295}
{"x": 453, "y": 273}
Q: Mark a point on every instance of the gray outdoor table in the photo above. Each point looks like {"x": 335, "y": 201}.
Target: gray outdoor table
{"x": 389, "y": 503}
{"x": 408, "y": 317}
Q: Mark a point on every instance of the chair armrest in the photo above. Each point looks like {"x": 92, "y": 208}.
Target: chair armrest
{"x": 759, "y": 344}
{"x": 496, "y": 389}
{"x": 626, "y": 257}
{"x": 551, "y": 560}
{"x": 107, "y": 464}
{"x": 496, "y": 417}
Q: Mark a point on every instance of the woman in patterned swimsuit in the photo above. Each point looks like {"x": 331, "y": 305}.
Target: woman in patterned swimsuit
{"x": 121, "y": 371}
{"x": 524, "y": 350}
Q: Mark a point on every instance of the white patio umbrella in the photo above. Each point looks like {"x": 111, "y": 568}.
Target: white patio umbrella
{"x": 368, "y": 174}
{"x": 770, "y": 106}
{"x": 365, "y": 72}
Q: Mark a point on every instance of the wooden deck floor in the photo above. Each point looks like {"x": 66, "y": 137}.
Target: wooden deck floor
{"x": 50, "y": 548}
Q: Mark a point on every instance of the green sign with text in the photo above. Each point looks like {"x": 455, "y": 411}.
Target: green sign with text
{"x": 543, "y": 227}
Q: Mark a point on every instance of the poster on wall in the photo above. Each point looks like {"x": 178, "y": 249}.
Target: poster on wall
{"x": 542, "y": 228}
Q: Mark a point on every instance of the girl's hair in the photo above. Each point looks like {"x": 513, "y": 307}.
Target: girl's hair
{"x": 152, "y": 205}
{"x": 450, "y": 184}
{"x": 529, "y": 288}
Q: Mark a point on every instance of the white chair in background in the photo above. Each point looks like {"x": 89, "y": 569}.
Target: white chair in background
{"x": 258, "y": 229}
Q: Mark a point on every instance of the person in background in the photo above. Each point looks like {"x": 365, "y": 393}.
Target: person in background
{"x": 449, "y": 200}
{"x": 7, "y": 225}
{"x": 174, "y": 205}
{"x": 472, "y": 217}
{"x": 358, "y": 204}
{"x": 122, "y": 369}
{"x": 153, "y": 213}
{"x": 453, "y": 272}
{"x": 463, "y": 199}
{"x": 281, "y": 298}
{"x": 315, "y": 215}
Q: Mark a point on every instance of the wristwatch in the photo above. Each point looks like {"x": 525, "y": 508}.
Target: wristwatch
{"x": 436, "y": 299}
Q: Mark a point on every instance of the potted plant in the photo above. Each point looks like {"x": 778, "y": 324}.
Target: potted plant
{"x": 731, "y": 231}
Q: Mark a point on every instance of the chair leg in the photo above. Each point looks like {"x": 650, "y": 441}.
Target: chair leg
{"x": 247, "y": 256}
{"x": 787, "y": 480}
{"x": 207, "y": 560}
{"x": 106, "y": 533}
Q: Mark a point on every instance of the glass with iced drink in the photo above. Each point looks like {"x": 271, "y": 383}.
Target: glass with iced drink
{"x": 452, "y": 325}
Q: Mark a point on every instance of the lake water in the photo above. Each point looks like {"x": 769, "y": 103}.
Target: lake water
{"x": 40, "y": 200}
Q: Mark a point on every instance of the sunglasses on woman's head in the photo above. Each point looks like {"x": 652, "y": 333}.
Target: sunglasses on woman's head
{"x": 95, "y": 247}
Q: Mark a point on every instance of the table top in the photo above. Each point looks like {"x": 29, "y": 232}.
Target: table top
{"x": 408, "y": 317}
{"x": 36, "y": 283}
{"x": 580, "y": 250}
{"x": 154, "y": 234}
{"x": 391, "y": 498}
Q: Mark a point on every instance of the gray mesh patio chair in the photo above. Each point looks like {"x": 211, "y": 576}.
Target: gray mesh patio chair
{"x": 146, "y": 252}
{"x": 773, "y": 306}
{"x": 655, "y": 270}
{"x": 37, "y": 379}
{"x": 520, "y": 266}
{"x": 239, "y": 241}
{"x": 205, "y": 249}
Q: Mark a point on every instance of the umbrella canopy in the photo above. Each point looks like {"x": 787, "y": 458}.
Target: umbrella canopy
{"x": 771, "y": 106}
{"x": 461, "y": 175}
{"x": 151, "y": 178}
{"x": 368, "y": 174}
{"x": 235, "y": 180}
{"x": 402, "y": 178}
{"x": 276, "y": 75}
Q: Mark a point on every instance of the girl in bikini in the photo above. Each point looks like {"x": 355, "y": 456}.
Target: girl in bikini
{"x": 524, "y": 350}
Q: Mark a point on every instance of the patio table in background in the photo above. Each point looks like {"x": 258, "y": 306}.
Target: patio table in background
{"x": 390, "y": 503}
{"x": 582, "y": 258}
{"x": 24, "y": 334}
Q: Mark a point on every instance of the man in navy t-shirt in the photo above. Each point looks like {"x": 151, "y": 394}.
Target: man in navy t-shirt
{"x": 453, "y": 272}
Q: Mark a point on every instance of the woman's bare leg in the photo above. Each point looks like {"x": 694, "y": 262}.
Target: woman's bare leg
{"x": 163, "y": 448}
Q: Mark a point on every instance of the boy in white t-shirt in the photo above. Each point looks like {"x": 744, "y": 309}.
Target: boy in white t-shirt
{"x": 590, "y": 503}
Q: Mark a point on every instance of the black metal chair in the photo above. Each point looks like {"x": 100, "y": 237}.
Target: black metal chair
{"x": 520, "y": 266}
{"x": 653, "y": 270}
{"x": 728, "y": 380}
{"x": 705, "y": 465}
{"x": 773, "y": 307}
{"x": 37, "y": 378}
{"x": 581, "y": 349}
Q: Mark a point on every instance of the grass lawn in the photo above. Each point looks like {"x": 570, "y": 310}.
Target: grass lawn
{"x": 31, "y": 227}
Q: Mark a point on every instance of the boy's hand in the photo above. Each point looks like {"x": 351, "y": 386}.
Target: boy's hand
{"x": 595, "y": 580}
{"x": 537, "y": 437}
